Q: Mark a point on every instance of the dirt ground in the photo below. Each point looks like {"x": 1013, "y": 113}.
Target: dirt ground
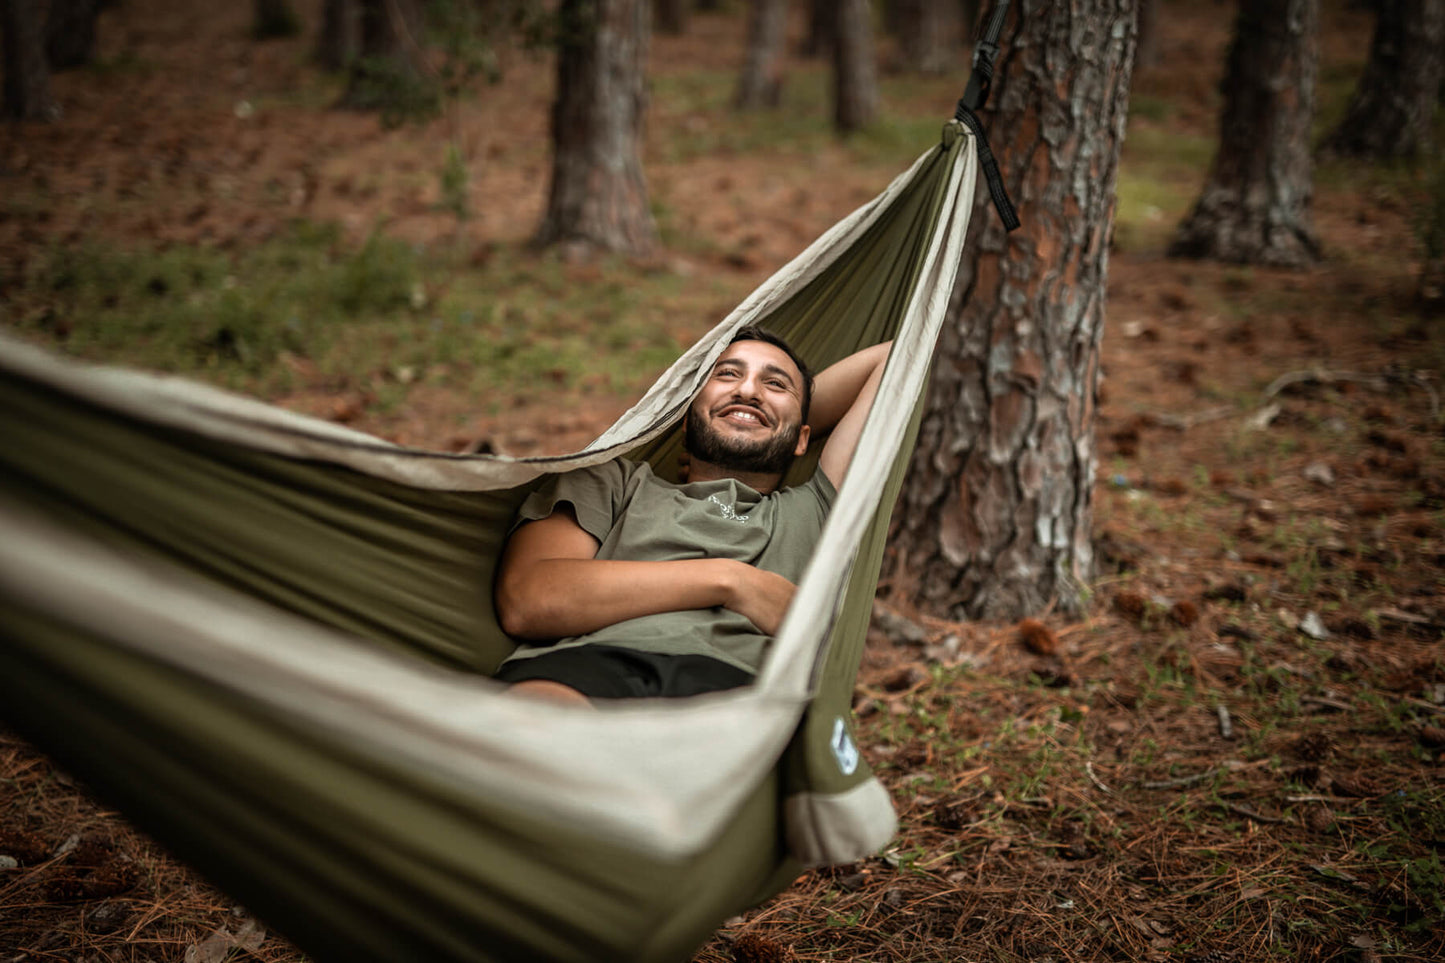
{"x": 1235, "y": 756}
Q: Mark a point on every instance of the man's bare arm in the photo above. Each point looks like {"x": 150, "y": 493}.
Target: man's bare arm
{"x": 842, "y": 395}
{"x": 551, "y": 585}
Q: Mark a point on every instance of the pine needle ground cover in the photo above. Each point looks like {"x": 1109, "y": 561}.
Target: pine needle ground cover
{"x": 1236, "y": 756}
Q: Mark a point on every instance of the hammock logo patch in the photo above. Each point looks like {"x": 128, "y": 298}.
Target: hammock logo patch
{"x": 845, "y": 750}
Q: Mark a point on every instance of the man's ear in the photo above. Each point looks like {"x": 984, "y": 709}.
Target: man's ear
{"x": 802, "y": 446}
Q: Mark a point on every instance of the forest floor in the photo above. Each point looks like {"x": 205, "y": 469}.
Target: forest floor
{"x": 1236, "y": 755}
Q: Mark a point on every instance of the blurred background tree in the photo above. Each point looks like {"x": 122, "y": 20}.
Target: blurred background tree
{"x": 671, "y": 16}
{"x": 598, "y": 198}
{"x": 761, "y": 81}
{"x": 274, "y": 18}
{"x": 1255, "y": 206}
{"x": 1392, "y": 111}
{"x": 855, "y": 69}
{"x": 27, "y": 75}
{"x": 339, "y": 40}
{"x": 930, "y": 36}
{"x": 70, "y": 32}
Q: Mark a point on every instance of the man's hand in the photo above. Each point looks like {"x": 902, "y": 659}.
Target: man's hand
{"x": 760, "y": 596}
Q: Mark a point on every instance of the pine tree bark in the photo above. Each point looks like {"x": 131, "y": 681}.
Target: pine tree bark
{"x": 761, "y": 81}
{"x": 339, "y": 42}
{"x": 994, "y": 518}
{"x": 27, "y": 75}
{"x": 70, "y": 33}
{"x": 929, "y": 38}
{"x": 1255, "y": 206}
{"x": 598, "y": 198}
{"x": 855, "y": 71}
{"x": 1393, "y": 106}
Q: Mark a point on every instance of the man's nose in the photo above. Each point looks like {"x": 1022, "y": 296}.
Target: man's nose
{"x": 749, "y": 387}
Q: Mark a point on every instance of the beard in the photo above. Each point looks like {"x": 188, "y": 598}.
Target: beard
{"x": 767, "y": 456}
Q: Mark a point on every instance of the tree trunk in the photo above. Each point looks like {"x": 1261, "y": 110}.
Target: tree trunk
{"x": 386, "y": 76}
{"x": 929, "y": 36}
{"x": 761, "y": 83}
{"x": 1255, "y": 205}
{"x": 671, "y": 16}
{"x": 339, "y": 42}
{"x": 27, "y": 76}
{"x": 1392, "y": 108}
{"x": 598, "y": 198}
{"x": 855, "y": 74}
{"x": 994, "y": 519}
{"x": 968, "y": 13}
{"x": 70, "y": 33}
{"x": 1147, "y": 54}
{"x": 272, "y": 19}
{"x": 822, "y": 28}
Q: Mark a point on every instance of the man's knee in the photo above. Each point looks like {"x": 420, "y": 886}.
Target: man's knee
{"x": 550, "y": 691}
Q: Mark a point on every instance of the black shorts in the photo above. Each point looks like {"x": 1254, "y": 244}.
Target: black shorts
{"x": 612, "y": 672}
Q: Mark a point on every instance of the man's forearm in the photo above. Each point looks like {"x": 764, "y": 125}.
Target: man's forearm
{"x": 837, "y": 386}
{"x": 555, "y": 598}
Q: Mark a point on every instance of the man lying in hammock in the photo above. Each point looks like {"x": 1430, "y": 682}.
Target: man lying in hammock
{"x": 621, "y": 585}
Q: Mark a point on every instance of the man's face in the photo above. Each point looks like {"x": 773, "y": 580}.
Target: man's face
{"x": 749, "y": 414}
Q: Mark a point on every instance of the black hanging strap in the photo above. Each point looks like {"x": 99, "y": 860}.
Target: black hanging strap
{"x": 974, "y": 95}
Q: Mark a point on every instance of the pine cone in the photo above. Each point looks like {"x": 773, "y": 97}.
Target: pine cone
{"x": 1319, "y": 819}
{"x": 1432, "y": 736}
{"x": 1315, "y": 747}
{"x": 1356, "y": 785}
{"x": 751, "y": 948}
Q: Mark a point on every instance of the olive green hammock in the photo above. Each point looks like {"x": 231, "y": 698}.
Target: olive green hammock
{"x": 266, "y": 639}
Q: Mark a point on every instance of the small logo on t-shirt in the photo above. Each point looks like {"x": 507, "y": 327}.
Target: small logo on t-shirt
{"x": 727, "y": 510}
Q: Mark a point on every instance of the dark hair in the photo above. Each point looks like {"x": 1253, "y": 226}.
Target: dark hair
{"x": 754, "y": 333}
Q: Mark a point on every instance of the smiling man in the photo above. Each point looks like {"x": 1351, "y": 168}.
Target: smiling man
{"x": 622, "y": 585}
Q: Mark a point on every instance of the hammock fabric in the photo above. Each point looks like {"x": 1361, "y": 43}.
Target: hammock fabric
{"x": 266, "y": 639}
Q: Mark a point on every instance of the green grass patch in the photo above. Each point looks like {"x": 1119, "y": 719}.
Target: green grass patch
{"x": 308, "y": 310}
{"x": 1160, "y": 175}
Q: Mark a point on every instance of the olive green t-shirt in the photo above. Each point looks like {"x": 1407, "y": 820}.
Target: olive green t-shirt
{"x": 637, "y": 516}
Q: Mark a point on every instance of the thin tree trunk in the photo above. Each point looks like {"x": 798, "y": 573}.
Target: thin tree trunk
{"x": 70, "y": 33}
{"x": 598, "y": 198}
{"x": 27, "y": 76}
{"x": 994, "y": 519}
{"x": 671, "y": 16}
{"x": 968, "y": 14}
{"x": 339, "y": 42}
{"x": 1148, "y": 52}
{"x": 1254, "y": 209}
{"x": 822, "y": 28}
{"x": 1393, "y": 105}
{"x": 761, "y": 82}
{"x": 274, "y": 18}
{"x": 855, "y": 72}
{"x": 929, "y": 37}
{"x": 386, "y": 74}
